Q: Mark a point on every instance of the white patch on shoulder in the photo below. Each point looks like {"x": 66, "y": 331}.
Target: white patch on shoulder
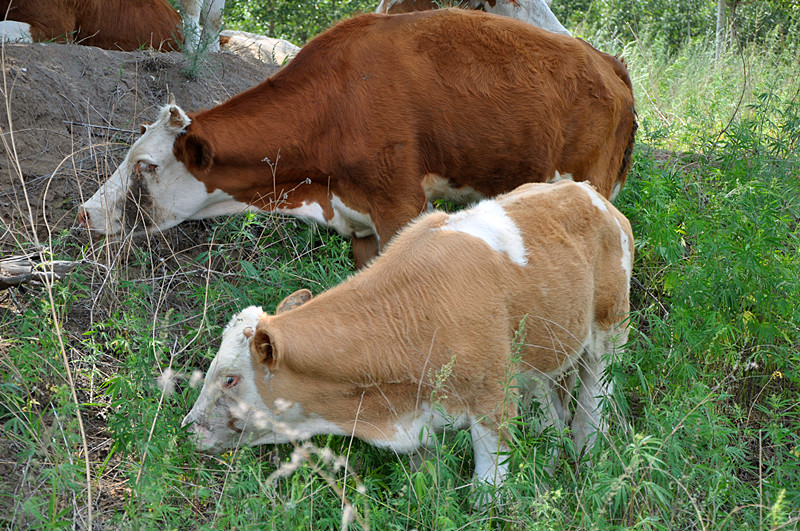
{"x": 437, "y": 187}
{"x": 489, "y": 221}
{"x": 626, "y": 250}
{"x": 597, "y": 200}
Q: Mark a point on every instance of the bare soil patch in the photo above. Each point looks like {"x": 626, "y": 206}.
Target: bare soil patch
{"x": 72, "y": 111}
{"x": 69, "y": 115}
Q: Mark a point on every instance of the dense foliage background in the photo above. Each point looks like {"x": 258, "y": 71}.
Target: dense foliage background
{"x": 670, "y": 22}
{"x": 290, "y": 19}
{"x": 707, "y": 434}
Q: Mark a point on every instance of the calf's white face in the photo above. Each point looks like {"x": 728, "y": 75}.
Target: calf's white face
{"x": 231, "y": 412}
{"x": 152, "y": 190}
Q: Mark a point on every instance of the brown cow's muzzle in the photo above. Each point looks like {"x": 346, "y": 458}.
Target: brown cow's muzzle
{"x": 84, "y": 219}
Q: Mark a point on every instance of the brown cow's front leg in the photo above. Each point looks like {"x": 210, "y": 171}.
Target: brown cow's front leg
{"x": 387, "y": 224}
{"x": 364, "y": 250}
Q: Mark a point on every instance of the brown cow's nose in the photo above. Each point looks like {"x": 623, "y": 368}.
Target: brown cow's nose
{"x": 84, "y": 220}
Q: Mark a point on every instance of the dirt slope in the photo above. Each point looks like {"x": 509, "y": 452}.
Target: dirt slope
{"x": 74, "y": 110}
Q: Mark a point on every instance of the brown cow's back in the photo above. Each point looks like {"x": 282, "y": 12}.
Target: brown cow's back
{"x": 448, "y": 115}
{"x": 413, "y": 97}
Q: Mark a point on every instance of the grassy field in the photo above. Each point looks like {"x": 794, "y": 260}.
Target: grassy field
{"x": 706, "y": 436}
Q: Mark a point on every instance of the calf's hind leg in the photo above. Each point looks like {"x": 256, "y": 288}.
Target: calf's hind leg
{"x": 595, "y": 387}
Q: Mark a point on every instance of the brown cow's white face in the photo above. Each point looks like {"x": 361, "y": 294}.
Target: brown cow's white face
{"x": 152, "y": 190}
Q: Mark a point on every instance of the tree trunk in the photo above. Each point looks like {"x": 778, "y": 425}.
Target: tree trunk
{"x": 720, "y": 29}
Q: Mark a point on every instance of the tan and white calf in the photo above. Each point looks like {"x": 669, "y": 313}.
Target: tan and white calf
{"x": 446, "y": 298}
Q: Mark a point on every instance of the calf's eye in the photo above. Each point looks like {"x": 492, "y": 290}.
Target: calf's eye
{"x": 229, "y": 381}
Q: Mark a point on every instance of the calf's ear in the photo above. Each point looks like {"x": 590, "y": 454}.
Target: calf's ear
{"x": 262, "y": 348}
{"x": 194, "y": 151}
{"x": 298, "y": 298}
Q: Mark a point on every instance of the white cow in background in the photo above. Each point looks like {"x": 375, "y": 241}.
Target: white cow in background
{"x": 205, "y": 13}
{"x": 534, "y": 12}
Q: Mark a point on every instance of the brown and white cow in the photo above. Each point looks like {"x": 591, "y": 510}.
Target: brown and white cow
{"x": 375, "y": 118}
{"x": 444, "y": 301}
{"x": 535, "y": 12}
{"x": 112, "y": 24}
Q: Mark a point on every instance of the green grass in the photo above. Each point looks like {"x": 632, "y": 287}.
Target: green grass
{"x": 707, "y": 435}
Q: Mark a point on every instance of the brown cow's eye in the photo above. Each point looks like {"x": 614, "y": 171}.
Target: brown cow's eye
{"x": 229, "y": 381}
{"x": 143, "y": 166}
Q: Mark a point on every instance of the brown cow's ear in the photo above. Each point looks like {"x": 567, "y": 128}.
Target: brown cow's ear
{"x": 262, "y": 348}
{"x": 298, "y": 298}
{"x": 194, "y": 151}
{"x": 177, "y": 119}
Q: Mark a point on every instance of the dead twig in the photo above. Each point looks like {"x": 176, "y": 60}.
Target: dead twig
{"x": 29, "y": 267}
{"x": 106, "y": 127}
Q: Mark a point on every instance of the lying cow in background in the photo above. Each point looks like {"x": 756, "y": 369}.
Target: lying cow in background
{"x": 375, "y": 118}
{"x": 446, "y": 297}
{"x": 534, "y": 12}
{"x": 111, "y": 24}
